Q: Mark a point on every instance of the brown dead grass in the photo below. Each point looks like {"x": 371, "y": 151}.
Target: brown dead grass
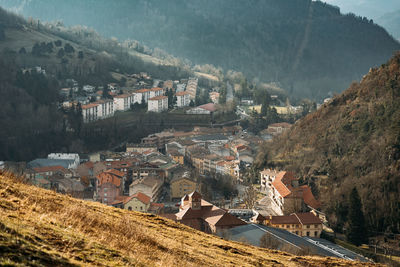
{"x": 39, "y": 227}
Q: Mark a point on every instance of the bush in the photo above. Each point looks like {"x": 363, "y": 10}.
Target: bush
{"x": 68, "y": 48}
{"x": 58, "y": 43}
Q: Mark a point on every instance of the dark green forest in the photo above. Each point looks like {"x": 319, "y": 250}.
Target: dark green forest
{"x": 309, "y": 47}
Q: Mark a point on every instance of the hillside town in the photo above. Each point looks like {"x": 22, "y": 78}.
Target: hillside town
{"x": 171, "y": 172}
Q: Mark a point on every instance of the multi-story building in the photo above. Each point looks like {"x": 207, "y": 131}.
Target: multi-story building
{"x": 192, "y": 87}
{"x": 169, "y": 84}
{"x": 90, "y": 112}
{"x": 158, "y": 103}
{"x": 141, "y": 95}
{"x": 181, "y": 186}
{"x": 105, "y": 108}
{"x": 302, "y": 224}
{"x": 150, "y": 186}
{"x": 156, "y": 91}
{"x": 123, "y": 102}
{"x": 182, "y": 99}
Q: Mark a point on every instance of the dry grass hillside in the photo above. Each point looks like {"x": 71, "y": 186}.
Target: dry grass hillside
{"x": 41, "y": 228}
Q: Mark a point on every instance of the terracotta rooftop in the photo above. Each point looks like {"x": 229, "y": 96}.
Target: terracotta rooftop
{"x": 289, "y": 219}
{"x": 141, "y": 197}
{"x": 91, "y": 105}
{"x": 210, "y": 107}
{"x": 142, "y": 90}
{"x": 123, "y": 96}
{"x": 116, "y": 172}
{"x": 307, "y": 218}
{"x": 156, "y": 89}
{"x": 296, "y": 218}
{"x": 182, "y": 93}
{"x": 89, "y": 164}
{"x": 309, "y": 198}
{"x": 105, "y": 177}
{"x": 48, "y": 169}
{"x": 160, "y": 97}
{"x": 208, "y": 212}
{"x": 282, "y": 189}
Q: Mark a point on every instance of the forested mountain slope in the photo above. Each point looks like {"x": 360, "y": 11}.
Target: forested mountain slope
{"x": 31, "y": 121}
{"x": 354, "y": 140}
{"x": 307, "y": 46}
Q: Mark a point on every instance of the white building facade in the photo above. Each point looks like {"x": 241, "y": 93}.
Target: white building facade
{"x": 182, "y": 99}
{"x": 123, "y": 102}
{"x": 141, "y": 94}
{"x": 90, "y": 112}
{"x": 156, "y": 92}
{"x": 105, "y": 108}
{"x": 158, "y": 104}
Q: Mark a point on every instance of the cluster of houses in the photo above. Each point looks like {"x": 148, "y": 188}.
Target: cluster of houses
{"x": 121, "y": 99}
{"x": 162, "y": 162}
{"x": 285, "y": 192}
{"x": 204, "y": 216}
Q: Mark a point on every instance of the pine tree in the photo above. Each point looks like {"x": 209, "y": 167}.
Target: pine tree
{"x": 357, "y": 232}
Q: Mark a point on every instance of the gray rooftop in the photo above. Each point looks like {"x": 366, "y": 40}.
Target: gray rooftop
{"x": 50, "y": 162}
{"x": 252, "y": 233}
{"x": 211, "y": 137}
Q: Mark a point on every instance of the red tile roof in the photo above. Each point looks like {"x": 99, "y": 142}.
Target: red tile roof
{"x": 105, "y": 177}
{"x": 156, "y": 89}
{"x": 309, "y": 198}
{"x": 182, "y": 93}
{"x": 91, "y": 105}
{"x": 296, "y": 218}
{"x": 141, "y": 197}
{"x": 142, "y": 90}
{"x": 48, "y": 169}
{"x": 230, "y": 158}
{"x": 208, "y": 212}
{"x": 289, "y": 219}
{"x": 89, "y": 164}
{"x": 159, "y": 97}
{"x": 123, "y": 96}
{"x": 307, "y": 218}
{"x": 210, "y": 107}
{"x": 116, "y": 172}
{"x": 282, "y": 189}
{"x": 159, "y": 205}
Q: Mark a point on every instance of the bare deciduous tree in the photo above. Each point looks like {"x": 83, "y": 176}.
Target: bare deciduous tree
{"x": 250, "y": 197}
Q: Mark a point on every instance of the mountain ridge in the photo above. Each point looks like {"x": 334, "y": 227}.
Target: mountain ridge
{"x": 307, "y": 46}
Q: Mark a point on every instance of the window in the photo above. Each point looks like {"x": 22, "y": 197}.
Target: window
{"x": 105, "y": 194}
{"x": 105, "y": 200}
{"x": 297, "y": 232}
{"x": 129, "y": 208}
{"x": 308, "y": 226}
{"x": 316, "y": 226}
{"x": 141, "y": 208}
{"x": 308, "y": 233}
{"x": 288, "y": 226}
{"x": 105, "y": 189}
{"x": 315, "y": 233}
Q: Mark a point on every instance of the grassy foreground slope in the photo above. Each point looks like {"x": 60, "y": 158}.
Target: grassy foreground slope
{"x": 39, "y": 227}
